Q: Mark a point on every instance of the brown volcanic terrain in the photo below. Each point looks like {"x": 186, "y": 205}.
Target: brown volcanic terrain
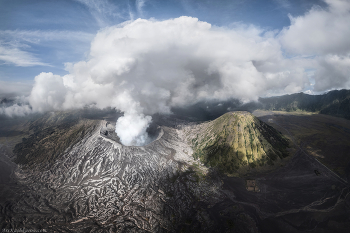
{"x": 327, "y": 138}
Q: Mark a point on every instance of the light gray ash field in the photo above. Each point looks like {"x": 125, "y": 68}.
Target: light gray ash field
{"x": 68, "y": 172}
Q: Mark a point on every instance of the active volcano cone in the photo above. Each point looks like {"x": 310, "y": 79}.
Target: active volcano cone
{"x": 236, "y": 139}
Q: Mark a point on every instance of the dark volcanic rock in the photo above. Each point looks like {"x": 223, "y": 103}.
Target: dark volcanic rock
{"x": 92, "y": 183}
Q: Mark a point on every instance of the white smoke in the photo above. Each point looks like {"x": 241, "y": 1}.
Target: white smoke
{"x": 132, "y": 129}
{"x": 144, "y": 67}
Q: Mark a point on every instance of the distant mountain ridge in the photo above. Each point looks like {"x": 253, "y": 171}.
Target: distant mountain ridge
{"x": 335, "y": 103}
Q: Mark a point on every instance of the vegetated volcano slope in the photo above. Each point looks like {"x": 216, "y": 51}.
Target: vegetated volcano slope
{"x": 100, "y": 185}
{"x": 235, "y": 140}
{"x": 95, "y": 184}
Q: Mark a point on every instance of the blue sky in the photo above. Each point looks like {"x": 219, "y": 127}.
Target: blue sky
{"x": 147, "y": 56}
{"x": 44, "y": 35}
{"x": 50, "y": 33}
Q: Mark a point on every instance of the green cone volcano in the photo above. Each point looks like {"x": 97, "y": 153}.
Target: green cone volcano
{"x": 234, "y": 140}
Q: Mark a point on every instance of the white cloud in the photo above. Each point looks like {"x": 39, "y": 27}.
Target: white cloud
{"x": 145, "y": 67}
{"x": 38, "y": 36}
{"x": 139, "y": 5}
{"x": 320, "y": 31}
{"x": 324, "y": 34}
{"x": 283, "y": 3}
{"x": 103, "y": 11}
{"x": 12, "y": 89}
{"x": 10, "y": 54}
{"x": 48, "y": 93}
{"x": 333, "y": 72}
{"x": 16, "y": 110}
{"x": 17, "y": 106}
{"x": 14, "y": 44}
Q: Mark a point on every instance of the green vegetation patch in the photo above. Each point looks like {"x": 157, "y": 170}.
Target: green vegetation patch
{"x": 238, "y": 139}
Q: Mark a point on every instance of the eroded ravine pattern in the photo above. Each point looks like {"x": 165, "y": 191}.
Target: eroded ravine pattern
{"x": 101, "y": 184}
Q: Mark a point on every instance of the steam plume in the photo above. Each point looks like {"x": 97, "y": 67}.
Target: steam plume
{"x": 144, "y": 67}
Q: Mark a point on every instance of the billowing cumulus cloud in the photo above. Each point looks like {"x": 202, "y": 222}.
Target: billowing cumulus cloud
{"x": 323, "y": 33}
{"x": 144, "y": 67}
{"x": 15, "y": 107}
{"x": 16, "y": 110}
{"x": 320, "y": 31}
{"x": 48, "y": 93}
{"x": 333, "y": 72}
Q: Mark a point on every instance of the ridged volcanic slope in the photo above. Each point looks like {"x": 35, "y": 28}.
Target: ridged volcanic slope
{"x": 235, "y": 140}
